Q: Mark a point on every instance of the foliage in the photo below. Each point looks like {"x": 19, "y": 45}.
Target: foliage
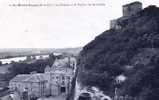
{"x": 135, "y": 44}
{"x": 36, "y": 65}
{"x": 26, "y": 68}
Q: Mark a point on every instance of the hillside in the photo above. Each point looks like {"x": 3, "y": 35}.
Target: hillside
{"x": 132, "y": 51}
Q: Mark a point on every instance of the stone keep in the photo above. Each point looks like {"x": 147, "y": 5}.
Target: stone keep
{"x": 132, "y": 8}
{"x": 128, "y": 11}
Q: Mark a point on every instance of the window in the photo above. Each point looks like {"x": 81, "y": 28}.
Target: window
{"x": 63, "y": 78}
{"x": 56, "y": 77}
{"x": 63, "y": 82}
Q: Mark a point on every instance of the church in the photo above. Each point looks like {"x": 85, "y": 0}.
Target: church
{"x": 60, "y": 75}
{"x": 56, "y": 80}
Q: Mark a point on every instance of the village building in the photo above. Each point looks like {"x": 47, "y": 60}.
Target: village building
{"x": 56, "y": 80}
{"x": 33, "y": 84}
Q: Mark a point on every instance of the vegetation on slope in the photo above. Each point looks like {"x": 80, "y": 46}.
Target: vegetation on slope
{"x": 110, "y": 54}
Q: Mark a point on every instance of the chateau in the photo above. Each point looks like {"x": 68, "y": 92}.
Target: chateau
{"x": 56, "y": 80}
{"x": 129, "y": 10}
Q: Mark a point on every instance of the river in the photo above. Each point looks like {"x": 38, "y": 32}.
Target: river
{"x": 18, "y": 59}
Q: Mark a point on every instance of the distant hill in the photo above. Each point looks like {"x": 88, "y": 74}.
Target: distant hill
{"x": 16, "y": 52}
{"x": 132, "y": 51}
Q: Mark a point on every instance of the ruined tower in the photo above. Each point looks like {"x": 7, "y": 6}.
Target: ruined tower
{"x": 132, "y": 8}
{"x": 128, "y": 11}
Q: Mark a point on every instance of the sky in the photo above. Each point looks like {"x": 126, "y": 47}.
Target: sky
{"x": 57, "y": 26}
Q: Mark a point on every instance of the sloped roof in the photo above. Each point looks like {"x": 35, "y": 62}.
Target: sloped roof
{"x": 36, "y": 78}
{"x": 20, "y": 77}
{"x": 29, "y": 78}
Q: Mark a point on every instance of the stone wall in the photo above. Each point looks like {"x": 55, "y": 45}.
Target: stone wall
{"x": 114, "y": 24}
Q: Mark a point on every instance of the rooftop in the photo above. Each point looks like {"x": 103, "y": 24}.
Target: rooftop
{"x": 29, "y": 78}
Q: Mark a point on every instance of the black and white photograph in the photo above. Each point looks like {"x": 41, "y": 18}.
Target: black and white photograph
{"x": 79, "y": 50}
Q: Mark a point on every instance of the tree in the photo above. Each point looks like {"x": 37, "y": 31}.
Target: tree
{"x": 24, "y": 68}
{"x": 0, "y": 63}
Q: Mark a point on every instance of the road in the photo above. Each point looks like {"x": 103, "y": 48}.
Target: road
{"x": 54, "y": 98}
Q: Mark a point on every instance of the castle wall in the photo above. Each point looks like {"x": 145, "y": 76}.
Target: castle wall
{"x": 114, "y": 24}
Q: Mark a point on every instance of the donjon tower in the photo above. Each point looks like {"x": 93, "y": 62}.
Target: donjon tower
{"x": 129, "y": 10}
{"x": 132, "y": 8}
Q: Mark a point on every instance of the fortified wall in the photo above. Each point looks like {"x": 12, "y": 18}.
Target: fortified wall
{"x": 128, "y": 11}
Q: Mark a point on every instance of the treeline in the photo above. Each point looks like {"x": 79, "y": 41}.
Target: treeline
{"x": 26, "y": 68}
